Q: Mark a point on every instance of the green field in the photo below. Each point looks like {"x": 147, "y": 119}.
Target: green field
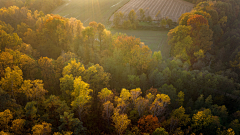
{"x": 89, "y": 10}
{"x": 156, "y": 40}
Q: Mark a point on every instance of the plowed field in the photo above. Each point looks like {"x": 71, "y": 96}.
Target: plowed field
{"x": 172, "y": 9}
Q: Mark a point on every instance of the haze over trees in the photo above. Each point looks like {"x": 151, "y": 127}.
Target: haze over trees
{"x": 59, "y": 77}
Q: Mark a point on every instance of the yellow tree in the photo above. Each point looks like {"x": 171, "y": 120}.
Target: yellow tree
{"x": 123, "y": 100}
{"x": 5, "y": 118}
{"x": 120, "y": 121}
{"x": 105, "y": 95}
{"x": 42, "y": 129}
{"x": 12, "y": 81}
{"x": 74, "y": 68}
{"x": 201, "y": 119}
{"x": 34, "y": 89}
{"x": 135, "y": 93}
{"x": 159, "y": 104}
{"x": 81, "y": 95}
{"x": 6, "y": 60}
{"x": 18, "y": 126}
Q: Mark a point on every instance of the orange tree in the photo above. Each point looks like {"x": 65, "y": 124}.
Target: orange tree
{"x": 148, "y": 124}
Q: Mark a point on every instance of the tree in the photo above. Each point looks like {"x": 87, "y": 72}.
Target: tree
{"x": 163, "y": 23}
{"x": 127, "y": 24}
{"x": 178, "y": 119}
{"x": 75, "y": 68}
{"x": 118, "y": 17}
{"x": 201, "y": 119}
{"x": 31, "y": 111}
{"x": 180, "y": 41}
{"x": 69, "y": 123}
{"x": 168, "y": 90}
{"x": 28, "y": 66}
{"x": 6, "y": 60}
{"x": 105, "y": 95}
{"x": 180, "y": 98}
{"x": 225, "y": 132}
{"x": 158, "y": 106}
{"x": 18, "y": 126}
{"x": 66, "y": 86}
{"x": 133, "y": 18}
{"x": 147, "y": 124}
{"x": 196, "y": 21}
{"x": 120, "y": 121}
{"x": 141, "y": 105}
{"x": 169, "y": 22}
{"x": 96, "y": 77}
{"x": 54, "y": 108}
{"x": 123, "y": 100}
{"x": 149, "y": 19}
{"x": 33, "y": 89}
{"x": 142, "y": 14}
{"x": 107, "y": 110}
{"x": 5, "y": 118}
{"x": 160, "y": 131}
{"x": 42, "y": 129}
{"x": 81, "y": 96}
{"x": 12, "y": 81}
{"x": 135, "y": 93}
{"x": 48, "y": 73}
{"x": 100, "y": 28}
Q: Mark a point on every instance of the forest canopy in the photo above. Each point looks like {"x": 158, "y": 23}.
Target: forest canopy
{"x": 59, "y": 77}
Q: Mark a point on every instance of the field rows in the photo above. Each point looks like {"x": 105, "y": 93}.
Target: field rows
{"x": 168, "y": 8}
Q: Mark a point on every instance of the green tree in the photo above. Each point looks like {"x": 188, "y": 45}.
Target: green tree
{"x": 142, "y": 14}
{"x": 66, "y": 86}
{"x": 69, "y": 123}
{"x": 163, "y": 23}
{"x": 160, "y": 131}
{"x": 180, "y": 98}
{"x": 100, "y": 28}
{"x": 118, "y": 18}
{"x": 133, "y": 18}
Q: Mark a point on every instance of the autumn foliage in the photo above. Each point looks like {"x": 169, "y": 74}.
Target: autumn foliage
{"x": 148, "y": 124}
{"x": 196, "y": 21}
